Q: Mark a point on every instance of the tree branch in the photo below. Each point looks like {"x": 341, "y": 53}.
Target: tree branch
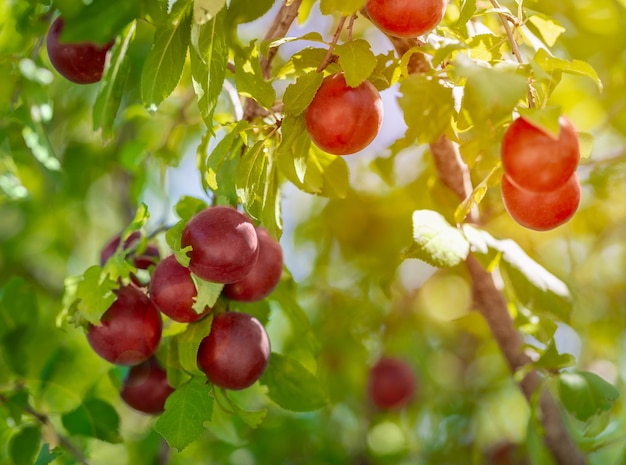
{"x": 454, "y": 173}
{"x": 279, "y": 28}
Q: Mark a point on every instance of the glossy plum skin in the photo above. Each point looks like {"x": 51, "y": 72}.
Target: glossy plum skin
{"x": 81, "y": 63}
{"x": 236, "y": 352}
{"x": 224, "y": 244}
{"x": 391, "y": 384}
{"x": 129, "y": 331}
{"x": 265, "y": 275}
{"x": 534, "y": 161}
{"x": 149, "y": 257}
{"x": 541, "y": 211}
{"x": 342, "y": 120}
{"x": 173, "y": 291}
{"x": 146, "y": 388}
{"x": 406, "y": 18}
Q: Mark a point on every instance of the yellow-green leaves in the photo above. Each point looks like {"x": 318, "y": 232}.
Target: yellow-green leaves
{"x": 436, "y": 241}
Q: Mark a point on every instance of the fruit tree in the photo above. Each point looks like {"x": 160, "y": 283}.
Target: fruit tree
{"x": 312, "y": 232}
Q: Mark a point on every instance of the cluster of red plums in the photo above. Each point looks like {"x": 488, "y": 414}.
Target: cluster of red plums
{"x": 226, "y": 248}
{"x": 540, "y": 188}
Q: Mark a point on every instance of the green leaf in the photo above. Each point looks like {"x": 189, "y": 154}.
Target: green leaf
{"x": 249, "y": 77}
{"x": 165, "y": 61}
{"x": 553, "y": 66}
{"x": 548, "y": 27}
{"x": 534, "y": 286}
{"x": 258, "y": 187}
{"x": 552, "y": 360}
{"x": 245, "y": 11}
{"x": 208, "y": 293}
{"x": 356, "y": 60}
{"x": 94, "y": 418}
{"x": 546, "y": 119}
{"x": 477, "y": 195}
{"x": 173, "y": 237}
{"x": 343, "y": 7}
{"x": 435, "y": 241}
{"x": 112, "y": 85}
{"x": 186, "y": 411}
{"x": 253, "y": 418}
{"x": 491, "y": 93}
{"x": 47, "y": 456}
{"x": 208, "y": 58}
{"x": 428, "y": 107}
{"x": 205, "y": 10}
{"x": 292, "y": 386}
{"x": 586, "y": 394}
{"x": 95, "y": 294}
{"x": 188, "y": 206}
{"x": 187, "y": 344}
{"x": 307, "y": 167}
{"x": 299, "y": 95}
{"x": 219, "y": 167}
{"x": 24, "y": 445}
{"x": 99, "y": 21}
{"x": 37, "y": 141}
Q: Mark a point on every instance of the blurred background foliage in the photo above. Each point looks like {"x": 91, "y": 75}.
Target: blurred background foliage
{"x": 64, "y": 191}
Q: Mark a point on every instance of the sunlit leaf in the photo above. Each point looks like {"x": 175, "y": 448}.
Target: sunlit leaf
{"x": 299, "y": 95}
{"x": 356, "y": 60}
{"x": 552, "y": 65}
{"x": 435, "y": 241}
{"x": 205, "y": 10}
{"x": 344, "y": 7}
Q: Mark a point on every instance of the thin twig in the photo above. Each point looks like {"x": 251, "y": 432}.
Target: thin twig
{"x": 326, "y": 61}
{"x": 514, "y": 47}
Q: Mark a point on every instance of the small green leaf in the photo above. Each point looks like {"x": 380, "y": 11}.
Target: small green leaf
{"x": 208, "y": 293}
{"x": 205, "y": 10}
{"x": 94, "y": 294}
{"x": 292, "y": 386}
{"x": 24, "y": 445}
{"x": 477, "y": 195}
{"x": 586, "y": 394}
{"x": 549, "y": 29}
{"x": 16, "y": 403}
{"x": 299, "y": 95}
{"x": 436, "y": 241}
{"x": 187, "y": 344}
{"x": 356, "y": 60}
{"x": 173, "y": 237}
{"x": 94, "y": 418}
{"x": 253, "y": 418}
{"x": 186, "y": 411}
{"x": 47, "y": 456}
{"x": 427, "y": 106}
{"x": 188, "y": 206}
{"x": 552, "y": 360}
{"x": 245, "y": 11}
{"x": 112, "y": 85}
{"x": 165, "y": 61}
{"x": 546, "y": 119}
